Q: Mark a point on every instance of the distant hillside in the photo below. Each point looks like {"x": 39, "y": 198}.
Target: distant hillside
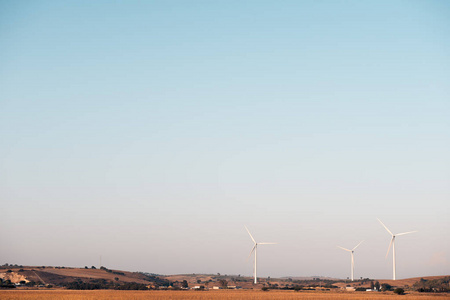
{"x": 104, "y": 278}
{"x": 63, "y": 276}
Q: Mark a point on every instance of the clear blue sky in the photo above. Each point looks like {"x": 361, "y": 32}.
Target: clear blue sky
{"x": 150, "y": 132}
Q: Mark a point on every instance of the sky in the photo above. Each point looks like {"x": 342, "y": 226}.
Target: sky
{"x": 150, "y": 132}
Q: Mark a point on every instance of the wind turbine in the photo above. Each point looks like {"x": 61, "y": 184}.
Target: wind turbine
{"x": 255, "y": 248}
{"x": 392, "y": 243}
{"x": 351, "y": 252}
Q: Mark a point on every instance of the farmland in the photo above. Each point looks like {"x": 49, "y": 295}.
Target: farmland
{"x": 204, "y": 295}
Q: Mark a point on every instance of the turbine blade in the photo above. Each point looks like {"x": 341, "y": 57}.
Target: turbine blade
{"x": 250, "y": 235}
{"x": 344, "y": 249}
{"x": 251, "y": 252}
{"x": 390, "y": 244}
{"x": 406, "y": 233}
{"x": 385, "y": 227}
{"x": 358, "y": 245}
{"x": 267, "y": 243}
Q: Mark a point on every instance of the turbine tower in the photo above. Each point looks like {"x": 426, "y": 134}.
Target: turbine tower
{"x": 351, "y": 252}
{"x": 392, "y": 243}
{"x": 255, "y": 248}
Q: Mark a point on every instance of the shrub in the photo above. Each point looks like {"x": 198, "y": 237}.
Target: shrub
{"x": 399, "y": 291}
{"x": 440, "y": 285}
{"x": 31, "y": 283}
{"x": 264, "y": 289}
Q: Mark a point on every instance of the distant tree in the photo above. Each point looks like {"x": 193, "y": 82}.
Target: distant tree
{"x": 386, "y": 287}
{"x": 184, "y": 284}
{"x": 399, "y": 291}
{"x": 264, "y": 288}
{"x": 223, "y": 283}
{"x": 372, "y": 285}
{"x": 440, "y": 285}
{"x": 7, "y": 284}
{"x": 199, "y": 281}
{"x": 298, "y": 288}
{"x": 86, "y": 267}
{"x": 93, "y": 267}
{"x": 377, "y": 286}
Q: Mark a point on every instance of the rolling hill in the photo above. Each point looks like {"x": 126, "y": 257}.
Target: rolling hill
{"x": 90, "y": 278}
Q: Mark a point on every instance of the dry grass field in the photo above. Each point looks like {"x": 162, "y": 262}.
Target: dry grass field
{"x": 204, "y": 295}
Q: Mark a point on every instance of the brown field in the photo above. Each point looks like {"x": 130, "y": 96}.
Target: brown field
{"x": 203, "y": 295}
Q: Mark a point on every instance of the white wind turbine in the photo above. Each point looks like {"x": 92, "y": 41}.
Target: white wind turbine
{"x": 392, "y": 243}
{"x": 351, "y": 252}
{"x": 255, "y": 247}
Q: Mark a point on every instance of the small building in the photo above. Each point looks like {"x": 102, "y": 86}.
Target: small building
{"x": 197, "y": 287}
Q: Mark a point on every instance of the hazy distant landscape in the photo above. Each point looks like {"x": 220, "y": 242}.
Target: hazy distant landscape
{"x": 53, "y": 282}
